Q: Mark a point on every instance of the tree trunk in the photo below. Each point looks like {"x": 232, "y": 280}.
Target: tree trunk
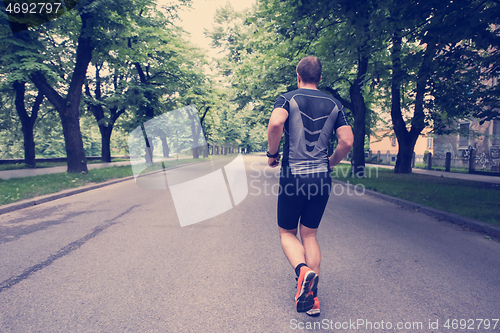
{"x": 407, "y": 139}
{"x": 196, "y": 152}
{"x": 106, "y": 143}
{"x": 75, "y": 153}
{"x": 27, "y": 122}
{"x": 105, "y": 127}
{"x": 359, "y": 113}
{"x": 399, "y": 125}
{"x": 404, "y": 158}
{"x": 195, "y": 132}
{"x": 149, "y": 150}
{"x": 77, "y": 161}
{"x": 358, "y": 108}
{"x": 149, "y": 96}
{"x": 164, "y": 145}
{"x": 29, "y": 147}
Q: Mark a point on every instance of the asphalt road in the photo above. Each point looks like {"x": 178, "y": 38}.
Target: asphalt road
{"x": 115, "y": 259}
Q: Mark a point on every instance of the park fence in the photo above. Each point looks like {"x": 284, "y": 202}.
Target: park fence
{"x": 474, "y": 160}
{"x": 471, "y": 160}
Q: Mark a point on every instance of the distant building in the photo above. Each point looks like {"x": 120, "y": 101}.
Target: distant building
{"x": 384, "y": 142}
{"x": 483, "y": 139}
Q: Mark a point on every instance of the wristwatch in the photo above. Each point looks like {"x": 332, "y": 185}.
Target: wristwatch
{"x": 272, "y": 156}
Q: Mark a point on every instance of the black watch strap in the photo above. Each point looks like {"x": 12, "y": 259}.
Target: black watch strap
{"x": 272, "y": 156}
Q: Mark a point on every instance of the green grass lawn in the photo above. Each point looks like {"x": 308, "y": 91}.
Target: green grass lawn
{"x": 476, "y": 200}
{"x": 15, "y": 189}
{"x": 439, "y": 168}
{"x": 17, "y": 166}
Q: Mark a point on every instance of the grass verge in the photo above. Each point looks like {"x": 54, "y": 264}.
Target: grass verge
{"x": 16, "y": 189}
{"x": 438, "y": 168}
{"x": 476, "y": 200}
{"x": 18, "y": 166}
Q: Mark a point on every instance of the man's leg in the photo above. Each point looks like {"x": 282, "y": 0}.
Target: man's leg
{"x": 292, "y": 247}
{"x": 306, "y": 278}
{"x": 312, "y": 253}
{"x": 313, "y": 261}
{"x": 298, "y": 252}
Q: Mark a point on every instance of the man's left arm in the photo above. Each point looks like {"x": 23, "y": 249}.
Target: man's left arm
{"x": 274, "y": 133}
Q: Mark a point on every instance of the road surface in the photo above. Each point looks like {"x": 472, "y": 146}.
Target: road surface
{"x": 116, "y": 259}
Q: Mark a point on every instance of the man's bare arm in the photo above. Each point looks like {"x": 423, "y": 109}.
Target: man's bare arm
{"x": 275, "y": 131}
{"x": 345, "y": 141}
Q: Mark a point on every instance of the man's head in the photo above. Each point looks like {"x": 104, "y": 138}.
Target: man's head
{"x": 309, "y": 70}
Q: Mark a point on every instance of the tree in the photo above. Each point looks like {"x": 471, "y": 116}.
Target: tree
{"x": 167, "y": 70}
{"x": 33, "y": 55}
{"x": 68, "y": 107}
{"x": 11, "y": 140}
{"x": 445, "y": 55}
{"x": 27, "y": 121}
{"x": 98, "y": 106}
{"x": 256, "y": 69}
{"x": 16, "y": 84}
{"x": 347, "y": 38}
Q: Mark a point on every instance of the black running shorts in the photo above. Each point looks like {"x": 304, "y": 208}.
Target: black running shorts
{"x": 302, "y": 198}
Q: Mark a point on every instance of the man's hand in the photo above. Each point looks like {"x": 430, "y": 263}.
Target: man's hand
{"x": 274, "y": 162}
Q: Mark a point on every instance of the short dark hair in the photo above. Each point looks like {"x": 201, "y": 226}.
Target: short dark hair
{"x": 309, "y": 69}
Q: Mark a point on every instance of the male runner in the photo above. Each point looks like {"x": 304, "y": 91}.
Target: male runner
{"x": 309, "y": 117}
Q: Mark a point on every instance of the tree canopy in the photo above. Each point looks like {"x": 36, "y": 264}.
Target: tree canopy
{"x": 105, "y": 67}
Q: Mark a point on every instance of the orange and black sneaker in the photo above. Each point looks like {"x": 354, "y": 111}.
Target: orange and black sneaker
{"x": 314, "y": 311}
{"x": 314, "y": 291}
{"x": 304, "y": 299}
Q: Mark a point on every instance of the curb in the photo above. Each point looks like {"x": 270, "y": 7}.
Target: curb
{"x": 66, "y": 193}
{"x": 54, "y": 196}
{"x": 465, "y": 222}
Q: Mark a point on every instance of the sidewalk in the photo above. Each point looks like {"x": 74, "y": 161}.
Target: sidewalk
{"x": 6, "y": 174}
{"x": 456, "y": 175}
{"x": 43, "y": 171}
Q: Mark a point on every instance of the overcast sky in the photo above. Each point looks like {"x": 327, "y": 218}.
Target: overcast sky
{"x": 201, "y": 16}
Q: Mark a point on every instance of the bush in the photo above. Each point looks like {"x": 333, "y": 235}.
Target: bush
{"x": 426, "y": 153}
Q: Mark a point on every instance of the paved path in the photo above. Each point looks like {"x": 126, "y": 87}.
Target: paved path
{"x": 115, "y": 259}
{"x": 456, "y": 175}
{"x": 42, "y": 171}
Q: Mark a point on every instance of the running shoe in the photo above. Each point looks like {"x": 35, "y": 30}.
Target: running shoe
{"x": 314, "y": 311}
{"x": 304, "y": 299}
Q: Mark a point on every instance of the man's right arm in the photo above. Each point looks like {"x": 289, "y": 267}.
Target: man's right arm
{"x": 274, "y": 133}
{"x": 345, "y": 141}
